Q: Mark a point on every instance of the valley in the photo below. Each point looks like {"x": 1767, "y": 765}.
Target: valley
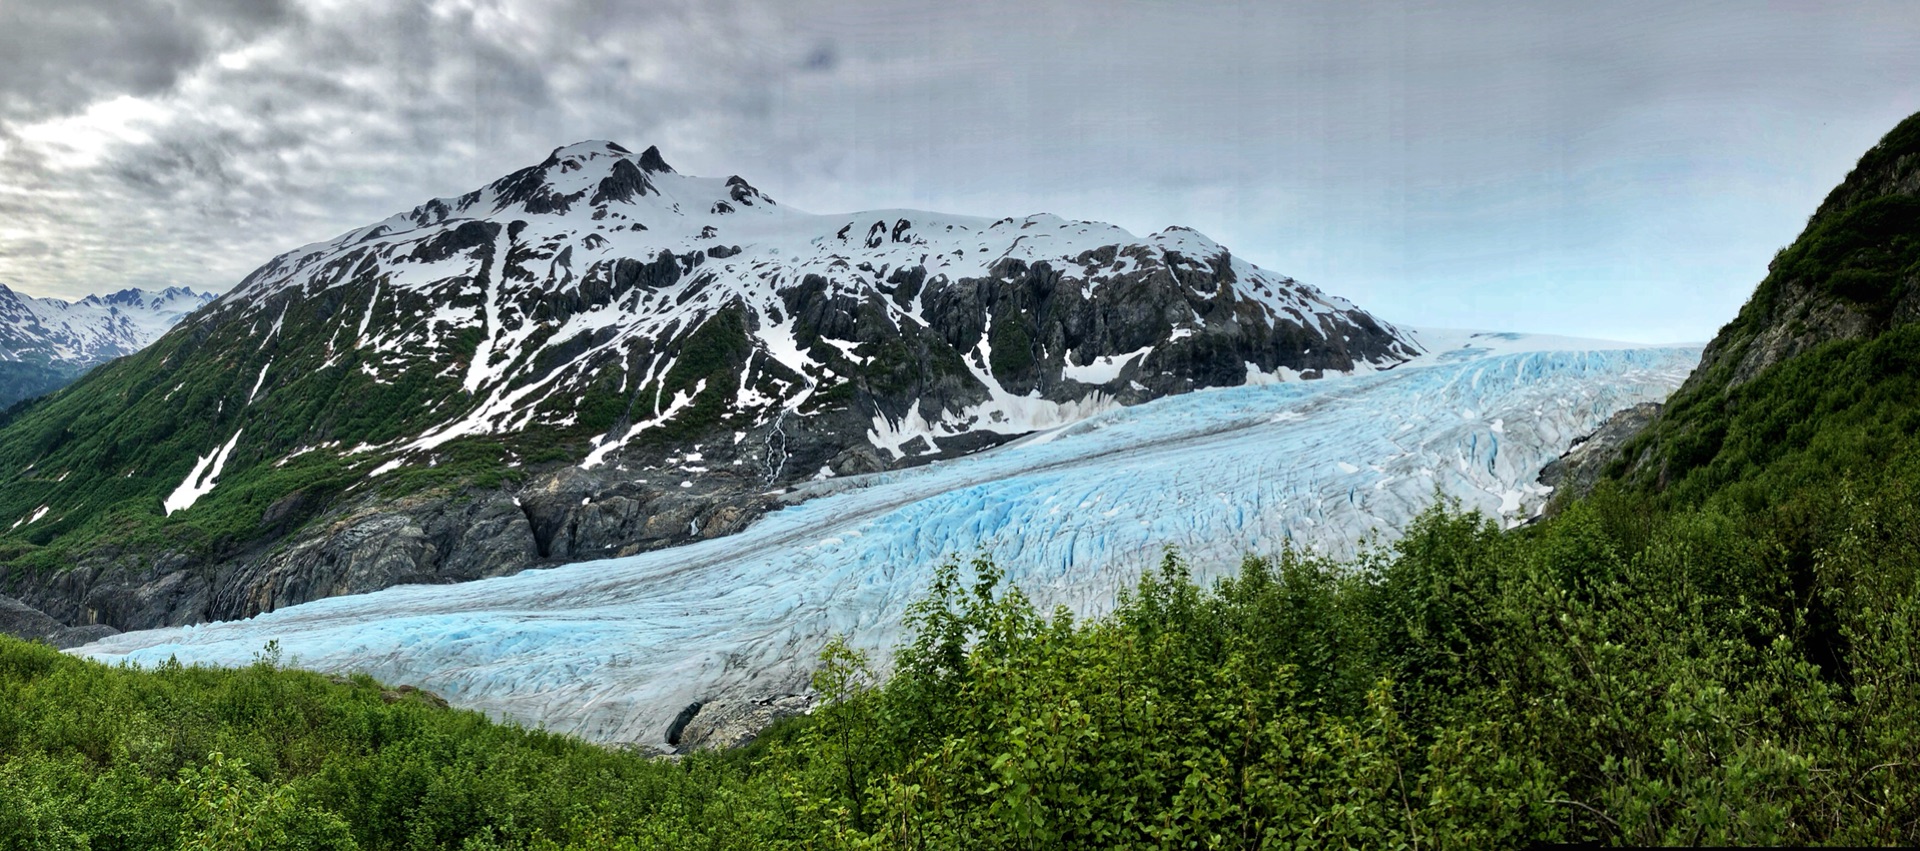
{"x": 612, "y": 650}
{"x": 609, "y": 507}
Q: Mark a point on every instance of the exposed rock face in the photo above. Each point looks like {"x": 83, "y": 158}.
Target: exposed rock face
{"x": 562, "y": 516}
{"x": 1574, "y": 474}
{"x": 725, "y": 724}
{"x": 596, "y": 356}
{"x": 22, "y": 621}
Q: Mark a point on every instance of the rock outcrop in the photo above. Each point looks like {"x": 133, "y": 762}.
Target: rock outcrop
{"x": 724, "y": 724}
{"x": 23, "y": 621}
{"x": 1574, "y": 474}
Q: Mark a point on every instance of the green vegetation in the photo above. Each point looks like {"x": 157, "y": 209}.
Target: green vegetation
{"x": 1846, "y": 402}
{"x": 104, "y": 453}
{"x": 1861, "y": 248}
{"x": 1012, "y": 346}
{"x": 706, "y": 368}
{"x": 98, "y": 757}
{"x": 477, "y": 462}
{"x": 1720, "y": 645}
{"x": 1612, "y": 675}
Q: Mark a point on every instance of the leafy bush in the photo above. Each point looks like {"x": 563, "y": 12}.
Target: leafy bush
{"x": 1618, "y": 674}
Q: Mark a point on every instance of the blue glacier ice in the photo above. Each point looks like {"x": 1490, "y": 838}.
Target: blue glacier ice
{"x": 611, "y": 650}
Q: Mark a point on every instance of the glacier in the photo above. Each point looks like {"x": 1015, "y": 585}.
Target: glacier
{"x": 611, "y": 650}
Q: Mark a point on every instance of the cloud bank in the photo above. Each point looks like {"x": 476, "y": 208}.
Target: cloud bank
{"x": 1621, "y": 171}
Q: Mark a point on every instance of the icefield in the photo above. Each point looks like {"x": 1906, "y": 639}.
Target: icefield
{"x": 612, "y": 650}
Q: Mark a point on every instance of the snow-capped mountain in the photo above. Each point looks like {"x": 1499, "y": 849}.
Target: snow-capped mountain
{"x": 600, "y": 273}
{"x": 598, "y": 355}
{"x": 46, "y": 342}
{"x": 612, "y": 650}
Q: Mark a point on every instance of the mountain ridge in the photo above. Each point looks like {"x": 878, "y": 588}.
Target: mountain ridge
{"x": 47, "y": 342}
{"x": 597, "y": 355}
{"x": 1839, "y": 296}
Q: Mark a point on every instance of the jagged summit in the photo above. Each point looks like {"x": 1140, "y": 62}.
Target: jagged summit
{"x": 587, "y": 149}
{"x": 142, "y": 298}
{"x": 89, "y": 330}
{"x": 47, "y": 342}
{"x": 595, "y": 181}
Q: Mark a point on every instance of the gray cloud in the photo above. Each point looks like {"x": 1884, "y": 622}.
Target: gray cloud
{"x": 57, "y": 55}
{"x": 1624, "y": 169}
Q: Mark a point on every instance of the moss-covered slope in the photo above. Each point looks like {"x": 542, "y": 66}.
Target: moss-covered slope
{"x": 1819, "y": 370}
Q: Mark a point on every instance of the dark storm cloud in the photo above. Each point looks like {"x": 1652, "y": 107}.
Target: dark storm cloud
{"x": 56, "y": 55}
{"x": 1543, "y": 166}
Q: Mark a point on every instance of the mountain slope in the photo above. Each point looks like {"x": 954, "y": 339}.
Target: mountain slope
{"x": 1818, "y": 369}
{"x": 597, "y": 355}
{"x": 612, "y": 650}
{"x": 46, "y": 342}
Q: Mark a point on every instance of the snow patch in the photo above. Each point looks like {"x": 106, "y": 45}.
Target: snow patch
{"x": 1280, "y": 374}
{"x": 201, "y": 480}
{"x": 1103, "y": 369}
{"x": 258, "y": 381}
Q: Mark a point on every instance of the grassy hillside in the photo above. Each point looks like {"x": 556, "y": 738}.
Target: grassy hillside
{"x": 102, "y": 454}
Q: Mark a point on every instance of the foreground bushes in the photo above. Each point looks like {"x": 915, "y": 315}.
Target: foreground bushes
{"x": 1470, "y": 689}
{"x": 1698, "y": 676}
{"x": 100, "y": 757}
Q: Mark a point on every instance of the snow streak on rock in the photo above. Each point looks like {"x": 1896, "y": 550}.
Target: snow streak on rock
{"x": 599, "y": 263}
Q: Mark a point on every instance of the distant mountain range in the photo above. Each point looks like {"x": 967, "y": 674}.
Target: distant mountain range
{"x": 596, "y": 355}
{"x": 46, "y": 343}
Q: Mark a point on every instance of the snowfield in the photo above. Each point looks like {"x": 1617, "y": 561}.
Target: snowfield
{"x": 612, "y": 650}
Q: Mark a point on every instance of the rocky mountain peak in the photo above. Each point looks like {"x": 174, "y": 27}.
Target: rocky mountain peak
{"x": 650, "y": 160}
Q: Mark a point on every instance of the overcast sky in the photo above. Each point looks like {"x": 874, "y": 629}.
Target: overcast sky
{"x": 1620, "y": 170}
